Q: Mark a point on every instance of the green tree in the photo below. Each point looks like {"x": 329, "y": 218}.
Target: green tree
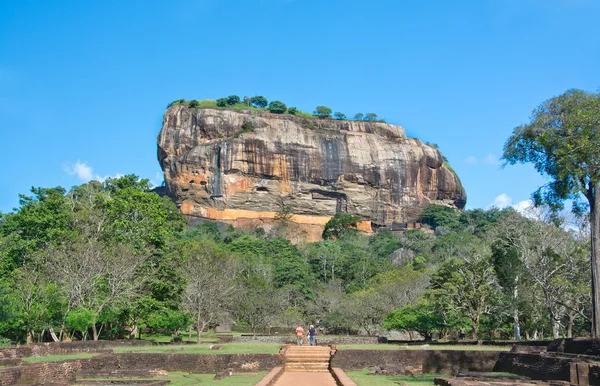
{"x": 193, "y": 104}
{"x": 370, "y": 117}
{"x": 440, "y": 216}
{"x": 233, "y": 99}
{"x": 322, "y": 112}
{"x": 277, "y": 107}
{"x": 339, "y": 225}
{"x": 292, "y": 110}
{"x": 562, "y": 141}
{"x": 358, "y": 116}
{"x": 467, "y": 284}
{"x": 259, "y": 101}
{"x": 339, "y": 116}
{"x": 222, "y": 102}
{"x": 421, "y": 318}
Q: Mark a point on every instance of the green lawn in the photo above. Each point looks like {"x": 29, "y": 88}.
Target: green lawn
{"x": 203, "y": 348}
{"x": 178, "y": 378}
{"x": 363, "y": 379}
{"x": 432, "y": 347}
{"x": 208, "y": 337}
{"x": 58, "y": 358}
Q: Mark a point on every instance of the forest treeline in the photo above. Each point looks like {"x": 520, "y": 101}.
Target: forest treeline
{"x": 104, "y": 260}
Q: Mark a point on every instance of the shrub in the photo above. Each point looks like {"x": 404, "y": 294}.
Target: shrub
{"x": 358, "y": 117}
{"x": 222, "y": 102}
{"x": 292, "y": 110}
{"x": 259, "y": 101}
{"x": 233, "y": 99}
{"x": 339, "y": 115}
{"x": 277, "y": 107}
{"x": 322, "y": 112}
{"x": 193, "y": 104}
{"x": 370, "y": 117}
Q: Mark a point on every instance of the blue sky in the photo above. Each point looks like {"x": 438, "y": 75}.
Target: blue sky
{"x": 84, "y": 84}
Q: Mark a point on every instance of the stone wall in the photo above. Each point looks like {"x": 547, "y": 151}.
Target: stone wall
{"x": 321, "y": 340}
{"x": 194, "y": 363}
{"x": 444, "y": 362}
{"x": 60, "y": 348}
{"x": 583, "y": 346}
{"x": 40, "y": 373}
{"x": 535, "y": 366}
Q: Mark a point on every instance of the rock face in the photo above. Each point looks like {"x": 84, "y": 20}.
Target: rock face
{"x": 245, "y": 168}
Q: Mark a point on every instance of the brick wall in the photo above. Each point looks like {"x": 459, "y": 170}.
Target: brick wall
{"x": 60, "y": 348}
{"x": 444, "y": 362}
{"x": 535, "y": 366}
{"x": 40, "y": 373}
{"x": 195, "y": 363}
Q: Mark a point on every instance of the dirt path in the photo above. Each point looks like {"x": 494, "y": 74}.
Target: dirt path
{"x": 304, "y": 379}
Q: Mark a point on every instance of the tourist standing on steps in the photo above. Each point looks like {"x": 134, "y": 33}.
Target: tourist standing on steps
{"x": 299, "y": 334}
{"x": 311, "y": 335}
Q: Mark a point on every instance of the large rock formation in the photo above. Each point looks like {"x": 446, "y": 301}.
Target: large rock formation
{"x": 244, "y": 167}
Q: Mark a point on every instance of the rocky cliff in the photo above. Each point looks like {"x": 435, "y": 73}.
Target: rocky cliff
{"x": 245, "y": 167}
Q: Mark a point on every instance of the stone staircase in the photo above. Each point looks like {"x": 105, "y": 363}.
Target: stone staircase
{"x": 307, "y": 359}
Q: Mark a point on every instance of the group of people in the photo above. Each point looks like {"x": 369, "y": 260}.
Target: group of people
{"x": 311, "y": 335}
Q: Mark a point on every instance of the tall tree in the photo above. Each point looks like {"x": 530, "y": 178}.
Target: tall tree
{"x": 562, "y": 141}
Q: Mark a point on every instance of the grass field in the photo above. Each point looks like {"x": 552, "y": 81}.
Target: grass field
{"x": 203, "y": 348}
{"x": 363, "y": 379}
{"x": 431, "y": 348}
{"x": 58, "y": 358}
{"x": 186, "y": 379}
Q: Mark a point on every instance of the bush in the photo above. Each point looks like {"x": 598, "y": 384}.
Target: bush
{"x": 292, "y": 110}
{"x": 222, "y": 102}
{"x": 259, "y": 101}
{"x": 322, "y": 112}
{"x": 339, "y": 116}
{"x": 193, "y": 104}
{"x": 233, "y": 99}
{"x": 277, "y": 107}
{"x": 370, "y": 117}
{"x": 358, "y": 117}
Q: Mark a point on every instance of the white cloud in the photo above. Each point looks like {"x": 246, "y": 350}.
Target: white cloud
{"x": 525, "y": 208}
{"x": 85, "y": 172}
{"x": 81, "y": 169}
{"x": 471, "y": 160}
{"x": 157, "y": 180}
{"x": 491, "y": 159}
{"x": 501, "y": 202}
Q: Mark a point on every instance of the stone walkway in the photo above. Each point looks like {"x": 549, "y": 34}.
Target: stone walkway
{"x": 305, "y": 379}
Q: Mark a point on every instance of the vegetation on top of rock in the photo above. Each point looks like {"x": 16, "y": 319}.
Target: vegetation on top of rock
{"x": 322, "y": 112}
{"x": 277, "y": 107}
{"x": 260, "y": 103}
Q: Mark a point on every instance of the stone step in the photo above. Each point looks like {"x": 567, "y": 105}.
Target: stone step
{"x": 299, "y": 358}
{"x": 307, "y": 367}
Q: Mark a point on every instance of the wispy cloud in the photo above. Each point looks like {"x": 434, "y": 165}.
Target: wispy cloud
{"x": 471, "y": 160}
{"x": 525, "y": 207}
{"x": 80, "y": 169}
{"x": 491, "y": 159}
{"x": 85, "y": 172}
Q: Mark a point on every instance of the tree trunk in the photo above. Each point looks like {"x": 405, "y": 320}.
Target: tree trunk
{"x": 30, "y": 333}
{"x": 198, "y": 330}
{"x": 190, "y": 333}
{"x": 516, "y": 326}
{"x": 594, "y": 200}
{"x": 475, "y": 326}
{"x": 554, "y": 324}
{"x": 94, "y": 332}
{"x": 570, "y": 324}
{"x": 53, "y": 335}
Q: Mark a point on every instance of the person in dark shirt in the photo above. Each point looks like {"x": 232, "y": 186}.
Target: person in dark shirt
{"x": 311, "y": 335}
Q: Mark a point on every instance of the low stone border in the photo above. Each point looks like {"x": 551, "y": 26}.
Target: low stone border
{"x": 271, "y": 378}
{"x": 341, "y": 378}
{"x": 534, "y": 366}
{"x": 321, "y": 340}
{"x": 61, "y": 348}
{"x": 429, "y": 361}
